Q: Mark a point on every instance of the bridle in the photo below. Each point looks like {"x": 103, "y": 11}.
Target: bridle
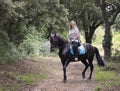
{"x": 55, "y": 43}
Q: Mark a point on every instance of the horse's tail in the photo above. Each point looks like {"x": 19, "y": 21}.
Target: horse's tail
{"x": 99, "y": 58}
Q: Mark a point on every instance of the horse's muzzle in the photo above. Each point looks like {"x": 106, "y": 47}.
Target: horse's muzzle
{"x": 52, "y": 49}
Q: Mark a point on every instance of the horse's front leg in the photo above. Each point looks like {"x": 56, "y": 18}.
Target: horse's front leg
{"x": 64, "y": 69}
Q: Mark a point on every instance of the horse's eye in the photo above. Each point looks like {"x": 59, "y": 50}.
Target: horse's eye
{"x": 52, "y": 42}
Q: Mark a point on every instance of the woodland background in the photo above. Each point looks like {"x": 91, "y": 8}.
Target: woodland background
{"x": 25, "y": 25}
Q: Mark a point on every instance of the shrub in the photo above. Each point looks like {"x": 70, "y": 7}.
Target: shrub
{"x": 34, "y": 45}
{"x": 45, "y": 48}
{"x": 30, "y": 46}
{"x": 10, "y": 54}
{"x": 8, "y": 51}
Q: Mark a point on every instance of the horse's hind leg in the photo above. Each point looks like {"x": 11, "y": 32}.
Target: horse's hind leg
{"x": 86, "y": 67}
{"x": 91, "y": 68}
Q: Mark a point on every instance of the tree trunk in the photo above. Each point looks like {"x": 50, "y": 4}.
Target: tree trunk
{"x": 107, "y": 42}
{"x": 88, "y": 37}
{"x": 88, "y": 40}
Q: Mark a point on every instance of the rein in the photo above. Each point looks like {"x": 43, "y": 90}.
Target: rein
{"x": 64, "y": 42}
{"x": 62, "y": 46}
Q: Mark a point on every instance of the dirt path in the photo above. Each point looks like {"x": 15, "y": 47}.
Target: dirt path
{"x": 74, "y": 79}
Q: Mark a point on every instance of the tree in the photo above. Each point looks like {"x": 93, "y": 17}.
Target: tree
{"x": 110, "y": 10}
{"x": 20, "y": 19}
{"x": 91, "y": 20}
{"x": 49, "y": 15}
{"x": 87, "y": 16}
{"x": 45, "y": 15}
{"x": 5, "y": 6}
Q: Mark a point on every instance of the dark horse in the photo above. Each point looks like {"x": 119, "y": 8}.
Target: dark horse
{"x": 66, "y": 57}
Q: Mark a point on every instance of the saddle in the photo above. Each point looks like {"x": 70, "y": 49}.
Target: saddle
{"x": 81, "y": 50}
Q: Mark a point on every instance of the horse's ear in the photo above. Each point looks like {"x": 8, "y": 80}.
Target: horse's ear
{"x": 53, "y": 35}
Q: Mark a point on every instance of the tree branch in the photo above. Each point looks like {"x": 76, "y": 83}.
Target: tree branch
{"x": 114, "y": 17}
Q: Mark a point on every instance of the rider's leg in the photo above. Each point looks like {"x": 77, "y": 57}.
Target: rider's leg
{"x": 75, "y": 48}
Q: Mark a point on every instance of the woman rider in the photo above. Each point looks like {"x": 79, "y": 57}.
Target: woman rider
{"x": 74, "y": 37}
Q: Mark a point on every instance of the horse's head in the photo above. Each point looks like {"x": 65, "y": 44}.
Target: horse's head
{"x": 54, "y": 41}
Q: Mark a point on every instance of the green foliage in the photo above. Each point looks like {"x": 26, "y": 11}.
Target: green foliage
{"x": 30, "y": 79}
{"x": 5, "y": 6}
{"x": 34, "y": 44}
{"x": 9, "y": 52}
{"x": 45, "y": 48}
{"x": 31, "y": 45}
{"x": 47, "y": 14}
{"x": 116, "y": 26}
{"x": 3, "y": 40}
{"x": 17, "y": 20}
{"x": 116, "y": 44}
{"x": 116, "y": 51}
{"x": 104, "y": 75}
{"x": 110, "y": 67}
{"x": 97, "y": 88}
{"x": 12, "y": 88}
{"x": 86, "y": 14}
{"x": 98, "y": 37}
{"x": 110, "y": 11}
{"x": 108, "y": 76}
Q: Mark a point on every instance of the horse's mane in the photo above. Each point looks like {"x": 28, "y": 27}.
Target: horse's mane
{"x": 63, "y": 39}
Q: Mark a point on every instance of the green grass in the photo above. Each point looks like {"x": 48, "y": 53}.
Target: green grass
{"x": 108, "y": 76}
{"x": 30, "y": 79}
{"x": 14, "y": 87}
{"x": 26, "y": 79}
{"x": 98, "y": 88}
{"x": 104, "y": 75}
{"x": 12, "y": 81}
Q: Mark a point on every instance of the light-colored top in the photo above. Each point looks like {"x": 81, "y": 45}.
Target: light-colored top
{"x": 73, "y": 33}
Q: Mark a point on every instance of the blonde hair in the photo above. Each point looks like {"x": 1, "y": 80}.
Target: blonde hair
{"x": 72, "y": 24}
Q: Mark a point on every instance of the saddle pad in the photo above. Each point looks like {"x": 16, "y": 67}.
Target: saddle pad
{"x": 81, "y": 50}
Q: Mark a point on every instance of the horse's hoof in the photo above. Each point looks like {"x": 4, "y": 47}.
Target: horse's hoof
{"x": 89, "y": 78}
{"x": 64, "y": 81}
{"x": 83, "y": 76}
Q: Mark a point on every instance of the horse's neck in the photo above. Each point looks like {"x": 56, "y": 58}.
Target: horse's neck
{"x": 62, "y": 42}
